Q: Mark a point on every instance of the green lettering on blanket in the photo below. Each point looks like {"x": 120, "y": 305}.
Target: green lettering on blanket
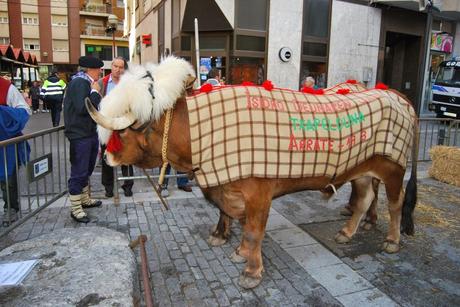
{"x": 325, "y": 123}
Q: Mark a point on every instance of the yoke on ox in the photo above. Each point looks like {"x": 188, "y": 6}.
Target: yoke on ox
{"x": 248, "y": 145}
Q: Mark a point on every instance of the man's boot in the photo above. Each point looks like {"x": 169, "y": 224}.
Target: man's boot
{"x": 77, "y": 212}
{"x": 86, "y": 201}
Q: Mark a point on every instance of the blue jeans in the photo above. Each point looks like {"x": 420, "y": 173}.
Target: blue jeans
{"x": 181, "y": 181}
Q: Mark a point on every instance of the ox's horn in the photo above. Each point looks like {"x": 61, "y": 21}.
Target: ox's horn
{"x": 117, "y": 123}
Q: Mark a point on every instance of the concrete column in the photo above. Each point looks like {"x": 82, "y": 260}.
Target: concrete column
{"x": 285, "y": 30}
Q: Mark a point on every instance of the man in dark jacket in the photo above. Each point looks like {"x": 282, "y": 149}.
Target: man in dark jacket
{"x": 52, "y": 93}
{"x": 80, "y": 129}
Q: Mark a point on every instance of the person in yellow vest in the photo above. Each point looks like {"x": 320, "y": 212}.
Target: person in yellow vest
{"x": 52, "y": 93}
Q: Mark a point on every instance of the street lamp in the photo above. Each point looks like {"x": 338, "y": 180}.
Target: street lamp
{"x": 112, "y": 28}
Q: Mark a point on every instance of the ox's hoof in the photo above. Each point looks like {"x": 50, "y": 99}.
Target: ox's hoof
{"x": 215, "y": 241}
{"x": 248, "y": 282}
{"x": 341, "y": 237}
{"x": 367, "y": 225}
{"x": 390, "y": 247}
{"x": 235, "y": 258}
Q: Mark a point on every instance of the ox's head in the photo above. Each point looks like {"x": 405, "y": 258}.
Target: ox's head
{"x": 136, "y": 104}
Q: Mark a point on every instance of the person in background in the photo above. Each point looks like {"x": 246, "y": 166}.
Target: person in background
{"x": 53, "y": 93}
{"x": 14, "y": 114}
{"x": 34, "y": 95}
{"x": 80, "y": 130}
{"x": 309, "y": 82}
{"x": 107, "y": 83}
{"x": 213, "y": 77}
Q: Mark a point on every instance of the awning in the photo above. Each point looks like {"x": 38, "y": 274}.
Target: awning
{"x": 449, "y": 9}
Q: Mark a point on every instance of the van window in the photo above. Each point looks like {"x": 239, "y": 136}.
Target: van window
{"x": 448, "y": 76}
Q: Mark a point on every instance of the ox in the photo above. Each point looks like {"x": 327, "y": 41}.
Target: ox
{"x": 136, "y": 111}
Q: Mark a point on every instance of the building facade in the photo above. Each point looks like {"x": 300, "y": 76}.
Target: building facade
{"x": 95, "y": 31}
{"x": 58, "y": 32}
{"x": 331, "y": 40}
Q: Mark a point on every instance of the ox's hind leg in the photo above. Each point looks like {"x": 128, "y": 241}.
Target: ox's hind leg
{"x": 364, "y": 196}
{"x": 395, "y": 196}
{"x": 221, "y": 231}
{"x": 371, "y": 214}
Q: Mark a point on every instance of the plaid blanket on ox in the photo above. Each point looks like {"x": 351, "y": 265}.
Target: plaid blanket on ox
{"x": 239, "y": 132}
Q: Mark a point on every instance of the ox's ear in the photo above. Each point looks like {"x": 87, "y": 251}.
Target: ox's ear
{"x": 189, "y": 82}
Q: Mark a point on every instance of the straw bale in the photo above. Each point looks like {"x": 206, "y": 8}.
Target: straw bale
{"x": 446, "y": 164}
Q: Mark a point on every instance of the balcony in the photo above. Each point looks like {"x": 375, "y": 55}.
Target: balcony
{"x": 95, "y": 31}
{"x": 95, "y": 9}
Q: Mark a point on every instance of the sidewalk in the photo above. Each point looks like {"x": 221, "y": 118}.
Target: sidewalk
{"x": 303, "y": 266}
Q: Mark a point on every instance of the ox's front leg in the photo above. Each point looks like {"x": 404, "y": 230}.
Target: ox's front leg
{"x": 257, "y": 210}
{"x": 221, "y": 231}
{"x": 364, "y": 197}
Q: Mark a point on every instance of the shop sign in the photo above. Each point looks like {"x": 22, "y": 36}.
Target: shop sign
{"x": 441, "y": 41}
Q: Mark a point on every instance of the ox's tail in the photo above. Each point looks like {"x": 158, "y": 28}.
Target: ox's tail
{"x": 410, "y": 197}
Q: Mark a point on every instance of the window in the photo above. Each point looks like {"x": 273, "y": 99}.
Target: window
{"x": 315, "y": 40}
{"x": 59, "y": 20}
{"x": 120, "y": 3}
{"x": 30, "y": 19}
{"x": 3, "y": 19}
{"x": 102, "y": 52}
{"x": 60, "y": 45}
{"x": 31, "y": 44}
{"x": 316, "y": 18}
{"x": 4, "y": 40}
{"x": 175, "y": 17}
{"x": 252, "y": 14}
{"x": 123, "y": 52}
{"x": 250, "y": 43}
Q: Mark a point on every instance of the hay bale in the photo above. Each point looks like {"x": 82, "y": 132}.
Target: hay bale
{"x": 446, "y": 164}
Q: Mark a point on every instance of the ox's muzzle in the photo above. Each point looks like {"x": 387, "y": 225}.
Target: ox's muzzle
{"x": 116, "y": 123}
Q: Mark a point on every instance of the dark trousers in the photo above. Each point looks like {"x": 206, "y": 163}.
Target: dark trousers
{"x": 83, "y": 154}
{"x": 12, "y": 190}
{"x": 107, "y": 174}
{"x": 35, "y": 104}
{"x": 56, "y": 109}
{"x": 181, "y": 181}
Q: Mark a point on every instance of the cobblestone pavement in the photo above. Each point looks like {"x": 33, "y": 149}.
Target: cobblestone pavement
{"x": 303, "y": 266}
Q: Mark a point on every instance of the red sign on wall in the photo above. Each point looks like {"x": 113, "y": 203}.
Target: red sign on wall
{"x": 147, "y": 39}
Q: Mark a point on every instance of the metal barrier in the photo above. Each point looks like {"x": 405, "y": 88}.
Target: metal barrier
{"x": 437, "y": 131}
{"x": 40, "y": 182}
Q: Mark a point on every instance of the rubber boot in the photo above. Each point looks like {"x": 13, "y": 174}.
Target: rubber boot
{"x": 86, "y": 201}
{"x": 77, "y": 212}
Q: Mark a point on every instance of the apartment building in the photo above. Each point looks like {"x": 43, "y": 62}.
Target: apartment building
{"x": 58, "y": 32}
{"x": 96, "y": 36}
{"x": 331, "y": 40}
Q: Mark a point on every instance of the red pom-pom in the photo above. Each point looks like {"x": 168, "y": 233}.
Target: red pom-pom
{"x": 247, "y": 83}
{"x": 343, "y": 91}
{"x": 114, "y": 144}
{"x": 268, "y": 85}
{"x": 319, "y": 91}
{"x": 206, "y": 88}
{"x": 381, "y": 86}
{"x": 352, "y": 81}
{"x": 308, "y": 90}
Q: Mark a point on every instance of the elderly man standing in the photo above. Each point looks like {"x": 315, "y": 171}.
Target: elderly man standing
{"x": 107, "y": 83}
{"x": 80, "y": 129}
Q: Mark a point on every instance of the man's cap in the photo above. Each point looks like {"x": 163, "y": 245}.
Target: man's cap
{"x": 90, "y": 62}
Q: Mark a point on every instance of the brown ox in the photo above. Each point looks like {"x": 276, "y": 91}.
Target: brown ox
{"x": 248, "y": 200}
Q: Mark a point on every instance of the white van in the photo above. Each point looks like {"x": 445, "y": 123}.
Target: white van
{"x": 446, "y": 90}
